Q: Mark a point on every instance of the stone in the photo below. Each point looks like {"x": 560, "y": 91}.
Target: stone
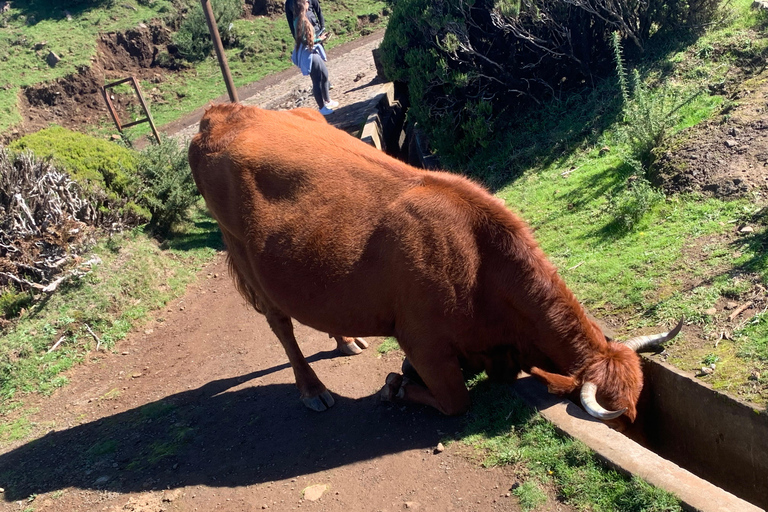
{"x": 439, "y": 448}
{"x": 412, "y": 505}
{"x": 755, "y": 375}
{"x": 604, "y": 150}
{"x": 710, "y": 311}
{"x": 747, "y": 229}
{"x": 731, "y": 305}
{"x": 40, "y": 45}
{"x": 52, "y": 59}
{"x": 760, "y": 4}
{"x": 314, "y": 492}
{"x": 731, "y": 143}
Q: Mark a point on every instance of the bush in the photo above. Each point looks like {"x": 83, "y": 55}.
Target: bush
{"x": 628, "y": 206}
{"x": 649, "y": 116}
{"x": 92, "y": 162}
{"x": 193, "y": 40}
{"x": 106, "y": 171}
{"x": 471, "y": 63}
{"x": 169, "y": 187}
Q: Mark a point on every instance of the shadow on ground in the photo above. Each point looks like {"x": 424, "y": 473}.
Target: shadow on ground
{"x": 225, "y": 433}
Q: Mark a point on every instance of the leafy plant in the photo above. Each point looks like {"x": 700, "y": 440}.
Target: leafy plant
{"x": 169, "y": 187}
{"x": 530, "y": 495}
{"x": 649, "y": 114}
{"x": 193, "y": 40}
{"x": 629, "y": 205}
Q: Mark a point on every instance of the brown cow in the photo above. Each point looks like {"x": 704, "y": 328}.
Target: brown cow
{"x": 325, "y": 229}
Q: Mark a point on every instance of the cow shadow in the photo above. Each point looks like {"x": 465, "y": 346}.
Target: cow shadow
{"x": 224, "y": 433}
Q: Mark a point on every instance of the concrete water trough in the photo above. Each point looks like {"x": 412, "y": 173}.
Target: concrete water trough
{"x": 707, "y": 448}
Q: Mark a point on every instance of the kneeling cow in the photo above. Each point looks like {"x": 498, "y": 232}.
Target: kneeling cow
{"x": 325, "y": 229}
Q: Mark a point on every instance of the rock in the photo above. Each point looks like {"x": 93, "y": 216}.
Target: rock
{"x": 731, "y": 305}
{"x": 747, "y": 229}
{"x": 760, "y": 4}
{"x": 755, "y": 375}
{"x": 136, "y": 375}
{"x": 170, "y": 496}
{"x": 5, "y": 6}
{"x": 52, "y": 59}
{"x": 731, "y": 143}
{"x": 40, "y": 45}
{"x": 412, "y": 505}
{"x": 710, "y": 311}
{"x": 705, "y": 370}
{"x": 101, "y": 480}
{"x": 604, "y": 150}
{"x": 314, "y": 492}
{"x": 439, "y": 448}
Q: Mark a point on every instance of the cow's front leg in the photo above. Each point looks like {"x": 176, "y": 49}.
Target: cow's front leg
{"x": 313, "y": 392}
{"x": 350, "y": 346}
{"x": 443, "y": 388}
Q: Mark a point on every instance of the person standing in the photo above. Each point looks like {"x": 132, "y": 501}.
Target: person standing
{"x": 305, "y": 19}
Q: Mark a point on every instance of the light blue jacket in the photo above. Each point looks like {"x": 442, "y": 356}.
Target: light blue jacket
{"x": 303, "y": 57}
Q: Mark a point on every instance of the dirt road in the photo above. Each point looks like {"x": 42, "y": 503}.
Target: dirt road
{"x": 197, "y": 411}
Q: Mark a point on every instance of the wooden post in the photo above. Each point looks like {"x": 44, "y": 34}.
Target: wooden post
{"x": 214, "y": 30}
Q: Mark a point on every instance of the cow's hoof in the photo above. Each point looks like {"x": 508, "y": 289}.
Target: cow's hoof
{"x": 351, "y": 346}
{"x": 319, "y": 403}
{"x": 391, "y": 389}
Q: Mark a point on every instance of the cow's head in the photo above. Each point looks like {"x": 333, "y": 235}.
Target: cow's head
{"x": 612, "y": 378}
{"x": 615, "y": 378}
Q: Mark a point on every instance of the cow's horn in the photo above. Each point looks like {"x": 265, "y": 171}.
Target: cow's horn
{"x": 589, "y": 401}
{"x": 651, "y": 343}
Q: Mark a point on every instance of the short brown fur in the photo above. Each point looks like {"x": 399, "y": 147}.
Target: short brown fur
{"x": 325, "y": 229}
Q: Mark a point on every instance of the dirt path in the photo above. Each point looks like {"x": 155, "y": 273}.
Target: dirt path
{"x": 197, "y": 411}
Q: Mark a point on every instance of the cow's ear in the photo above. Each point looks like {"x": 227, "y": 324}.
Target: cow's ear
{"x": 556, "y": 384}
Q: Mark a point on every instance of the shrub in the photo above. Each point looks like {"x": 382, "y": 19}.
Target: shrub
{"x": 169, "y": 189}
{"x": 106, "y": 171}
{"x": 92, "y": 162}
{"x": 649, "y": 116}
{"x": 464, "y": 58}
{"x": 628, "y": 206}
{"x": 193, "y": 40}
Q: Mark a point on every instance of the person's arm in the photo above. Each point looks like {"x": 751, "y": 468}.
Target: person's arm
{"x": 316, "y": 7}
{"x": 289, "y": 16}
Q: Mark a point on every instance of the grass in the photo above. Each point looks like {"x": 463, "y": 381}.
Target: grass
{"x": 28, "y": 23}
{"x": 561, "y": 167}
{"x": 388, "y": 345}
{"x": 503, "y": 431}
{"x": 265, "y": 49}
{"x": 136, "y": 276}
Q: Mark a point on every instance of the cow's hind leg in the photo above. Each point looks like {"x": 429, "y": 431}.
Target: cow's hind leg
{"x": 350, "y": 346}
{"x": 313, "y": 393}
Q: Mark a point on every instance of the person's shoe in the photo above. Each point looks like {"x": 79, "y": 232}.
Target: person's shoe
{"x": 332, "y": 104}
{"x": 326, "y": 111}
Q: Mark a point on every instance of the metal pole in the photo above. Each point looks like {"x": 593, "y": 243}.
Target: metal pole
{"x": 214, "y": 30}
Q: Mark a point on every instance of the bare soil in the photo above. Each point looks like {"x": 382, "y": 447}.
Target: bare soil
{"x": 726, "y": 157}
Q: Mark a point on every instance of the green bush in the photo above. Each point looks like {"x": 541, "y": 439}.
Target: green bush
{"x": 649, "y": 115}
{"x": 93, "y": 163}
{"x": 169, "y": 189}
{"x": 105, "y": 170}
{"x": 472, "y": 64}
{"x": 628, "y": 206}
{"x": 193, "y": 40}
{"x": 13, "y": 301}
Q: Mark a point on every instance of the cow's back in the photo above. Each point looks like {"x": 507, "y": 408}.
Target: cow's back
{"x": 340, "y": 236}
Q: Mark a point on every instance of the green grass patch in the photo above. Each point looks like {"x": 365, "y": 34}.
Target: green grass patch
{"x": 72, "y": 38}
{"x": 135, "y": 277}
{"x": 390, "y": 344}
{"x": 504, "y": 431}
